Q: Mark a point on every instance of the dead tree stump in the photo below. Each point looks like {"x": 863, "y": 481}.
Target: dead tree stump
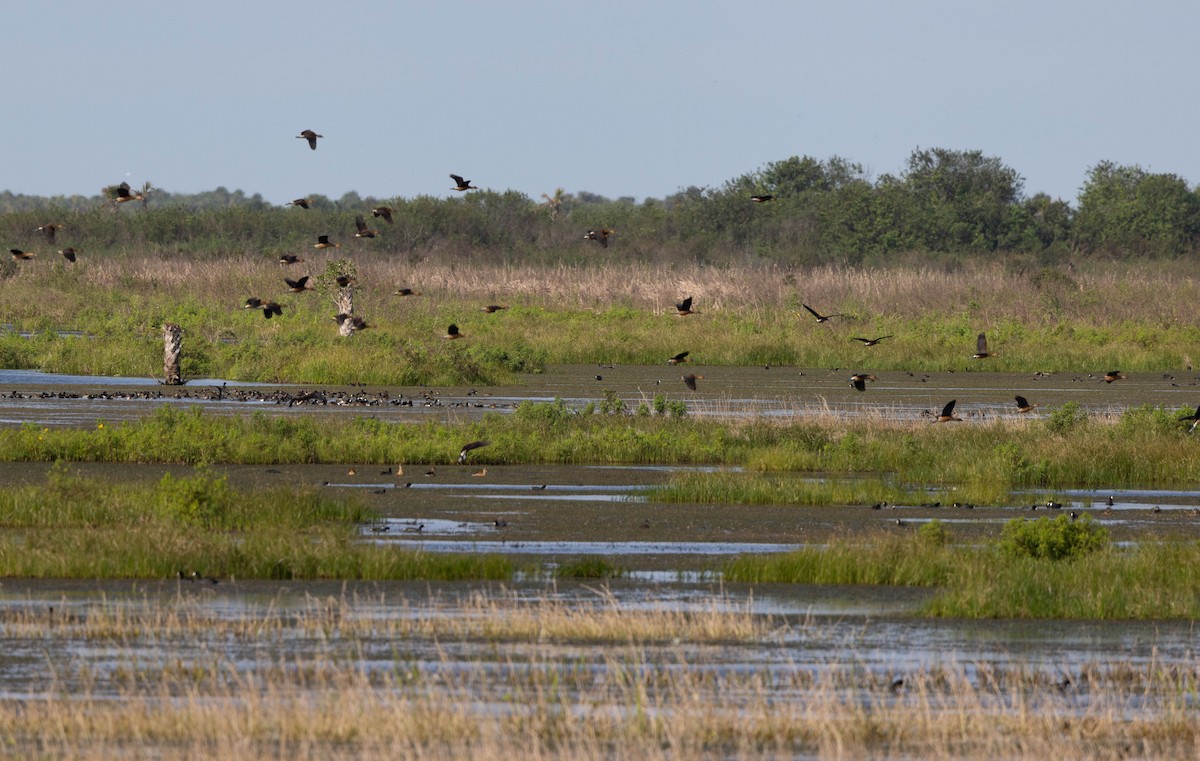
{"x": 344, "y": 299}
{"x": 172, "y": 348}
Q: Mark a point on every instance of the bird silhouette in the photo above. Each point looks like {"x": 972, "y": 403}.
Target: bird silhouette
{"x": 303, "y": 203}
{"x": 270, "y": 308}
{"x": 600, "y": 236}
{"x": 69, "y": 254}
{"x": 297, "y": 286}
{"x": 762, "y": 198}
{"x": 947, "y": 415}
{"x": 311, "y": 137}
{"x": 1023, "y": 405}
{"x": 356, "y": 323}
{"x": 1194, "y": 417}
{"x": 290, "y": 259}
{"x": 679, "y": 358}
{"x": 690, "y": 381}
{"x": 124, "y": 194}
{"x": 684, "y": 307}
{"x": 324, "y": 242}
{"x": 1114, "y": 375}
{"x": 49, "y": 230}
{"x": 493, "y": 308}
{"x": 19, "y": 255}
{"x": 981, "y": 348}
{"x": 344, "y": 281}
{"x": 453, "y": 333}
{"x": 461, "y": 184}
{"x": 467, "y": 448}
{"x": 821, "y": 317}
{"x": 383, "y": 211}
{"x": 363, "y": 230}
{"x": 859, "y": 381}
{"x": 407, "y": 292}
{"x": 870, "y": 341}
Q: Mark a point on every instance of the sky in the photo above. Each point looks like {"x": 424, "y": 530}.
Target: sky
{"x": 619, "y": 98}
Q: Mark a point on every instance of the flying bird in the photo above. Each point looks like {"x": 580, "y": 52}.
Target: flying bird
{"x": 311, "y": 137}
{"x": 303, "y": 203}
{"x": 1114, "y": 375}
{"x": 363, "y": 230}
{"x": 679, "y": 358}
{"x": 253, "y": 302}
{"x": 49, "y": 230}
{"x": 821, "y": 317}
{"x": 868, "y": 341}
{"x": 356, "y": 323}
{"x": 493, "y": 308}
{"x": 1194, "y": 417}
{"x": 407, "y": 292}
{"x": 344, "y": 281}
{"x": 1023, "y": 405}
{"x": 124, "y": 193}
{"x": 69, "y": 254}
{"x": 297, "y": 286}
{"x": 270, "y": 308}
{"x": 19, "y": 255}
{"x": 290, "y": 259}
{"x": 690, "y": 381}
{"x": 763, "y": 198}
{"x": 461, "y": 184}
{"x": 684, "y": 307}
{"x": 383, "y": 211}
{"x": 600, "y": 236}
{"x": 947, "y": 414}
{"x": 453, "y": 332}
{"x": 981, "y": 347}
{"x": 859, "y": 381}
{"x": 462, "y": 453}
{"x": 323, "y": 242}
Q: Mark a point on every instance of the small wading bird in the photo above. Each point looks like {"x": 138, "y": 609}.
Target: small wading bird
{"x": 49, "y": 230}
{"x": 324, "y": 242}
{"x": 870, "y": 341}
{"x": 981, "y": 348}
{"x": 311, "y": 137}
{"x": 69, "y": 254}
{"x": 859, "y": 381}
{"x": 1113, "y": 375}
{"x": 453, "y": 333}
{"x": 19, "y": 255}
{"x": 303, "y": 203}
{"x": 363, "y": 230}
{"x": 821, "y": 317}
{"x": 947, "y": 415}
{"x": 297, "y": 286}
{"x": 407, "y": 292}
{"x": 290, "y": 259}
{"x": 460, "y": 184}
{"x": 493, "y": 308}
{"x": 356, "y": 323}
{"x": 601, "y": 236}
{"x": 480, "y": 473}
{"x": 383, "y": 211}
{"x": 690, "y": 381}
{"x": 684, "y": 308}
{"x": 679, "y": 358}
{"x": 466, "y": 449}
{"x": 763, "y": 198}
{"x": 1023, "y": 405}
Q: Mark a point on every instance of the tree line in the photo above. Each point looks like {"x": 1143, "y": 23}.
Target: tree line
{"x": 945, "y": 201}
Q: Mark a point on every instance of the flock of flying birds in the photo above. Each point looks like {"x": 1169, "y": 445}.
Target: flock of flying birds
{"x": 123, "y": 193}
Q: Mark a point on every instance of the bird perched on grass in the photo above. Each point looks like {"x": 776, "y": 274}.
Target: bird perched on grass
{"x": 363, "y": 230}
{"x": 290, "y": 259}
{"x": 49, "y": 230}
{"x": 981, "y": 347}
{"x": 821, "y": 317}
{"x": 311, "y": 137}
{"x": 297, "y": 286}
{"x": 383, "y": 211}
{"x": 870, "y": 341}
{"x": 1023, "y": 405}
{"x": 684, "y": 308}
{"x": 460, "y": 184}
{"x": 859, "y": 381}
{"x": 303, "y": 203}
{"x": 600, "y": 236}
{"x": 324, "y": 242}
{"x": 947, "y": 415}
{"x": 467, "y": 448}
{"x": 690, "y": 381}
{"x": 453, "y": 333}
{"x": 679, "y": 358}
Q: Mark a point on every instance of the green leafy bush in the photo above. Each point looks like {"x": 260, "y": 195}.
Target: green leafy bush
{"x": 1059, "y": 539}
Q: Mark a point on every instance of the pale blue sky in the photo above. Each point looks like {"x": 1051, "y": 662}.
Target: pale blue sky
{"x": 619, "y": 98}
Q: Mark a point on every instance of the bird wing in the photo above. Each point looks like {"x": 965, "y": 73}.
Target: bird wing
{"x": 1022, "y": 401}
{"x": 684, "y": 305}
{"x": 981, "y": 344}
{"x": 948, "y": 410}
{"x": 811, "y": 311}
{"x": 458, "y": 179}
{"x": 681, "y": 356}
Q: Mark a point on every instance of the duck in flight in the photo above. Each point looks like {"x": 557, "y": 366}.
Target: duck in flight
{"x": 1023, "y": 405}
{"x": 684, "y": 308}
{"x": 947, "y": 415}
{"x": 859, "y": 381}
{"x": 311, "y": 137}
{"x": 679, "y": 358}
{"x": 363, "y": 230}
{"x": 869, "y": 341}
{"x": 821, "y": 317}
{"x": 467, "y": 448}
{"x": 981, "y": 347}
{"x": 460, "y": 184}
{"x": 690, "y": 381}
{"x": 601, "y": 236}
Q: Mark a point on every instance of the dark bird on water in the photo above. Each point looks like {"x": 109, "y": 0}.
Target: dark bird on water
{"x": 679, "y": 358}
{"x": 870, "y": 341}
{"x": 763, "y": 198}
{"x": 290, "y": 259}
{"x": 49, "y": 230}
{"x": 363, "y": 230}
{"x": 690, "y": 381}
{"x": 69, "y": 254}
{"x": 859, "y": 381}
{"x": 303, "y": 203}
{"x": 821, "y": 317}
{"x": 453, "y": 333}
{"x": 466, "y": 449}
{"x": 947, "y": 415}
{"x": 981, "y": 347}
{"x": 311, "y": 137}
{"x": 324, "y": 242}
{"x": 600, "y": 236}
{"x": 383, "y": 211}
{"x": 460, "y": 184}
{"x": 297, "y": 286}
{"x": 1114, "y": 375}
{"x": 684, "y": 307}
{"x": 1023, "y": 405}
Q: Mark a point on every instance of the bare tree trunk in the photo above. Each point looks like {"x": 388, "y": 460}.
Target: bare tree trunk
{"x": 172, "y": 348}
{"x": 344, "y": 299}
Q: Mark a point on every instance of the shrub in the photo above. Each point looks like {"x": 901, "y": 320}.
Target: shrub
{"x": 1066, "y": 418}
{"x": 1059, "y": 539}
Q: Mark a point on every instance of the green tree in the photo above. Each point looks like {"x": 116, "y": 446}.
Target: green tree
{"x": 1126, "y": 210}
